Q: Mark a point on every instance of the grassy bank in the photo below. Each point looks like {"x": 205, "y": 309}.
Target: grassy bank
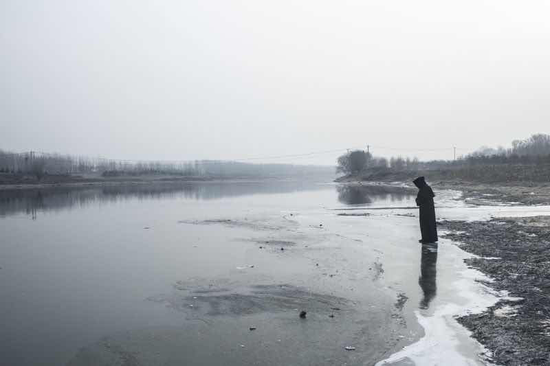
{"x": 497, "y": 173}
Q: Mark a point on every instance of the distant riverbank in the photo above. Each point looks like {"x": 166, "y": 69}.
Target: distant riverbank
{"x": 20, "y": 181}
{"x": 474, "y": 192}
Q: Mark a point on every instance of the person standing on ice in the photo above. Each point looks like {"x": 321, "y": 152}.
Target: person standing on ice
{"x": 425, "y": 200}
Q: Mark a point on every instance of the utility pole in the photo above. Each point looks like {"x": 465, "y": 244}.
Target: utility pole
{"x": 368, "y": 156}
{"x": 454, "y": 152}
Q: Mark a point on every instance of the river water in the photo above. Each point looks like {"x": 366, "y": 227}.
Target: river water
{"x": 218, "y": 273}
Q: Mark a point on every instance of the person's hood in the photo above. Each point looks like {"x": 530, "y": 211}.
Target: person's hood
{"x": 419, "y": 182}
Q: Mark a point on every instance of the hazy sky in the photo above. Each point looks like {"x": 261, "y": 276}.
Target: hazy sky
{"x": 237, "y": 79}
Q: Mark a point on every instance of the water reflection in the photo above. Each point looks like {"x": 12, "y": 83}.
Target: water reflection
{"x": 428, "y": 271}
{"x": 366, "y": 194}
{"x": 34, "y": 201}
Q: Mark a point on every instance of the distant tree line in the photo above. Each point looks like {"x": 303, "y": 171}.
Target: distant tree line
{"x": 534, "y": 150}
{"x": 359, "y": 161}
{"x": 40, "y": 164}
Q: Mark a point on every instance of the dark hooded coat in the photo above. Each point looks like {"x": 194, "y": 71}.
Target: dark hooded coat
{"x": 425, "y": 200}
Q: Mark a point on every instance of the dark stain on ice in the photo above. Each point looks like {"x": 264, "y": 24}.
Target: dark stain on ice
{"x": 256, "y": 224}
{"x": 249, "y": 300}
{"x": 276, "y": 243}
{"x": 364, "y": 214}
{"x": 401, "y": 300}
{"x": 378, "y": 270}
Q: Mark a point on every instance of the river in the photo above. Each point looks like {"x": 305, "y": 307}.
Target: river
{"x": 218, "y": 274}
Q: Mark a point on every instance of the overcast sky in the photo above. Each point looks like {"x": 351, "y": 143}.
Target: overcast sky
{"x": 241, "y": 79}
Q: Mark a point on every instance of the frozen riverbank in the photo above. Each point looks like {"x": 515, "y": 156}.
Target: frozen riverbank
{"x": 508, "y": 308}
{"x": 514, "y": 253}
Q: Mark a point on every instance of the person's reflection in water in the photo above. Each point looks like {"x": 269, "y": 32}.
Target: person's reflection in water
{"x": 427, "y": 280}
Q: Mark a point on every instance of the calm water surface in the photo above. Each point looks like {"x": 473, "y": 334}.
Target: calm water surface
{"x": 88, "y": 274}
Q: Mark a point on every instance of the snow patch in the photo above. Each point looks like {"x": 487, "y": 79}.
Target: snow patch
{"x": 445, "y": 341}
{"x": 506, "y": 311}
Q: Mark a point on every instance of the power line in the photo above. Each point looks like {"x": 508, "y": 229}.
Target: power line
{"x": 293, "y": 155}
{"x": 408, "y": 149}
{"x": 313, "y": 153}
{"x": 272, "y": 157}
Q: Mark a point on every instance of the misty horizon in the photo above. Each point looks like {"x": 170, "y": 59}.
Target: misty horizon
{"x": 235, "y": 80}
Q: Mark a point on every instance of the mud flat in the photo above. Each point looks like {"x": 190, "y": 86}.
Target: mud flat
{"x": 524, "y": 193}
{"x": 514, "y": 253}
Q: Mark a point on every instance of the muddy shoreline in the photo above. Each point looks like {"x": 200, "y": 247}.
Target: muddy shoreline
{"x": 514, "y": 253}
{"x": 491, "y": 194}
